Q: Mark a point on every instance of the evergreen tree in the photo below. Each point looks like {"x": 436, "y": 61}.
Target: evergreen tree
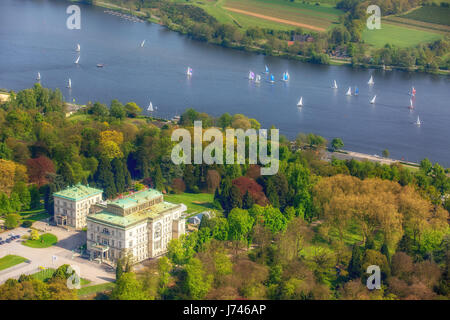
{"x": 354, "y": 266}
{"x": 67, "y": 174}
{"x": 105, "y": 178}
{"x": 235, "y": 198}
{"x": 385, "y": 250}
{"x": 158, "y": 178}
{"x": 128, "y": 180}
{"x": 247, "y": 201}
{"x": 405, "y": 244}
{"x": 119, "y": 175}
{"x": 119, "y": 269}
{"x": 370, "y": 243}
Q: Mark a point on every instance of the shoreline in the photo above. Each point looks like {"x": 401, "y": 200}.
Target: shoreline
{"x": 332, "y": 60}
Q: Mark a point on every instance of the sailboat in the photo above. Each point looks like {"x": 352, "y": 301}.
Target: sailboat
{"x": 189, "y": 71}
{"x": 411, "y": 106}
{"x": 267, "y": 69}
{"x": 258, "y": 78}
{"x": 251, "y": 75}
{"x": 373, "y": 100}
{"x": 371, "y": 82}
{"x": 150, "y": 107}
{"x": 356, "y": 91}
{"x": 142, "y": 44}
{"x": 300, "y": 102}
{"x": 70, "y": 84}
{"x": 78, "y": 49}
{"x": 38, "y": 76}
{"x": 78, "y": 60}
{"x": 334, "y": 85}
{"x": 272, "y": 78}
{"x": 418, "y": 123}
{"x": 413, "y": 91}
{"x": 349, "y": 91}
{"x": 285, "y": 76}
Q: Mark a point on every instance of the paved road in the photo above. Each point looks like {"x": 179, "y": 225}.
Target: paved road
{"x": 67, "y": 241}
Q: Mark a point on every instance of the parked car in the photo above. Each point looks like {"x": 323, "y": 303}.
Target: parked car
{"x": 2, "y": 242}
{"x": 8, "y": 240}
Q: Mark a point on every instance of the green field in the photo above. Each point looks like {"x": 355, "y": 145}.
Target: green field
{"x": 46, "y": 240}
{"x": 33, "y": 215}
{"x": 432, "y": 14}
{"x": 10, "y": 260}
{"x": 321, "y": 16}
{"x": 95, "y": 289}
{"x": 401, "y": 36}
{"x": 46, "y": 274}
{"x": 195, "y": 202}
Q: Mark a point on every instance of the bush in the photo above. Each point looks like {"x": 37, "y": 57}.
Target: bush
{"x": 11, "y": 221}
{"x": 27, "y": 224}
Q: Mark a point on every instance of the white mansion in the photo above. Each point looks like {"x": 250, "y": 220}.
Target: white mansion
{"x": 72, "y": 205}
{"x": 140, "y": 224}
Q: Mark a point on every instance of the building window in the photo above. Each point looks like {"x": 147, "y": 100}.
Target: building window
{"x": 158, "y": 228}
{"x": 131, "y": 243}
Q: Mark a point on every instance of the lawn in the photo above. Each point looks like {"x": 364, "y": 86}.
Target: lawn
{"x": 46, "y": 274}
{"x": 96, "y": 289}
{"x": 401, "y": 36}
{"x": 195, "y": 202}
{"x": 45, "y": 240}
{"x": 10, "y": 260}
{"x": 33, "y": 215}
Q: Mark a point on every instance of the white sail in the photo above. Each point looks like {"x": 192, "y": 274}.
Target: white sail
{"x": 258, "y": 78}
{"x": 150, "y": 107}
{"x": 300, "y": 102}
{"x": 373, "y": 100}
{"x": 411, "y": 106}
{"x": 349, "y": 91}
{"x": 189, "y": 71}
{"x": 78, "y": 60}
{"x": 78, "y": 48}
{"x": 371, "y": 80}
{"x": 251, "y": 75}
{"x": 70, "y": 84}
{"x": 38, "y": 76}
{"x": 142, "y": 44}
{"x": 335, "y": 85}
{"x": 418, "y": 121}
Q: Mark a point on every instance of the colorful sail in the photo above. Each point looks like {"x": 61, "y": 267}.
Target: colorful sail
{"x": 272, "y": 78}
{"x": 267, "y": 69}
{"x": 356, "y": 91}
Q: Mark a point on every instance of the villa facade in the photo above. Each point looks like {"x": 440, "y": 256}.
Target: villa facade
{"x": 71, "y": 205}
{"x": 141, "y": 225}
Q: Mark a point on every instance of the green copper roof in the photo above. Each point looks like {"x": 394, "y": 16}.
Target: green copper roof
{"x": 136, "y": 198}
{"x": 131, "y": 219}
{"x": 77, "y": 192}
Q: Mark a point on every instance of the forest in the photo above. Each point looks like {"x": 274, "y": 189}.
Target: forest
{"x": 308, "y": 232}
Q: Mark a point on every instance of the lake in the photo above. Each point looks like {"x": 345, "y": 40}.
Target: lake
{"x": 34, "y": 38}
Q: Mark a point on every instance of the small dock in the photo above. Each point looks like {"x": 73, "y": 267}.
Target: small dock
{"x": 124, "y": 16}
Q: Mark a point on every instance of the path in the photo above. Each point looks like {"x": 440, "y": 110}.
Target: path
{"x": 67, "y": 241}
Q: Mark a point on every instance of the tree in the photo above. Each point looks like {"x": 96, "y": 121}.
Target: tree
{"x": 385, "y": 250}
{"x": 132, "y": 110}
{"x": 24, "y": 194}
{"x": 11, "y": 221}
{"x": 105, "y": 178}
{"x": 67, "y": 174}
{"x": 117, "y": 110}
{"x": 247, "y": 201}
{"x": 119, "y": 269}
{"x": 39, "y": 168}
{"x": 385, "y": 153}
{"x": 354, "y": 266}
{"x": 119, "y": 175}
{"x": 197, "y": 282}
{"x": 34, "y": 235}
{"x": 240, "y": 224}
{"x": 337, "y": 143}
{"x": 128, "y": 288}
{"x": 35, "y": 197}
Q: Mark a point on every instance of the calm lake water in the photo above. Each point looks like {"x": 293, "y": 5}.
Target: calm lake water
{"x": 34, "y": 38}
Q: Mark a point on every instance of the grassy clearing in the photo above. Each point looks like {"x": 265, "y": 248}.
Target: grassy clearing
{"x": 195, "y": 202}
{"x": 46, "y": 274}
{"x": 95, "y": 289}
{"x": 34, "y": 215}
{"x": 10, "y": 260}
{"x": 401, "y": 36}
{"x": 46, "y": 240}
{"x": 432, "y": 14}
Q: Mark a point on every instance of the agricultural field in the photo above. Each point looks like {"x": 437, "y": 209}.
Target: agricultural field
{"x": 399, "y": 35}
{"x": 274, "y": 14}
{"x": 431, "y": 14}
